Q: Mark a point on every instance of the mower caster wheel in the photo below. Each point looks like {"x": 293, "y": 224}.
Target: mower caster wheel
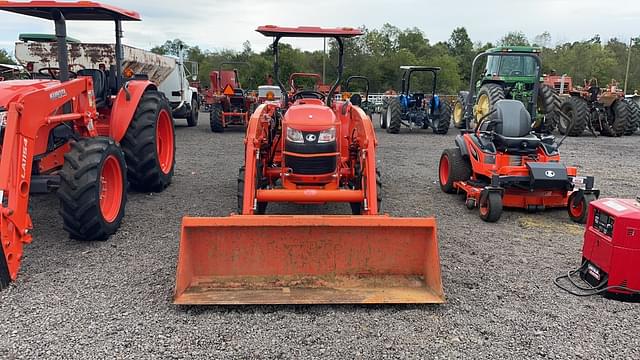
{"x": 470, "y": 203}
{"x": 578, "y": 206}
{"x": 491, "y": 207}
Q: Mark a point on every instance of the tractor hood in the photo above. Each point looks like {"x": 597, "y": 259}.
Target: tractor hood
{"x": 309, "y": 116}
{"x": 11, "y": 90}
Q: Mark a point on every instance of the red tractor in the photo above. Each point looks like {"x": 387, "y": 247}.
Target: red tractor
{"x": 229, "y": 103}
{"x": 86, "y": 135}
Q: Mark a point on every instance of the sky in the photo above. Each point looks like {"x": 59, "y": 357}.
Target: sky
{"x": 226, "y": 24}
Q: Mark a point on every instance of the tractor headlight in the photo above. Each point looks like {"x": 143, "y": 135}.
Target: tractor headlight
{"x": 3, "y": 118}
{"x": 294, "y": 135}
{"x": 327, "y": 136}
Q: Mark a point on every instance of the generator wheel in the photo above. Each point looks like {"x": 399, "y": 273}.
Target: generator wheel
{"x": 458, "y": 110}
{"x": 619, "y": 120}
{"x": 394, "y": 115}
{"x": 149, "y": 144}
{"x": 634, "y": 117}
{"x": 441, "y": 122}
{"x": 215, "y": 118}
{"x": 357, "y": 208}
{"x": 548, "y": 102}
{"x": 93, "y": 188}
{"x": 452, "y": 167}
{"x": 192, "y": 118}
{"x": 488, "y": 96}
{"x": 491, "y": 207}
{"x": 578, "y": 206}
{"x": 577, "y": 111}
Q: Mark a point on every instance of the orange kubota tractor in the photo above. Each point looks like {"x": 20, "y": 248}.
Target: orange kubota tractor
{"x": 86, "y": 135}
{"x": 229, "y": 104}
{"x": 308, "y": 149}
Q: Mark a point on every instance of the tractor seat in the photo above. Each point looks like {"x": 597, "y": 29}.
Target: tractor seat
{"x": 356, "y": 99}
{"x": 100, "y": 85}
{"x": 417, "y": 99}
{"x": 512, "y": 129}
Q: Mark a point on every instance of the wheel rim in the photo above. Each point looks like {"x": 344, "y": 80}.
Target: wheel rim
{"x": 563, "y": 122}
{"x": 576, "y": 209}
{"x": 388, "y": 118}
{"x": 164, "y": 141}
{"x": 457, "y": 113}
{"x": 483, "y": 106}
{"x": 111, "y": 188}
{"x": 444, "y": 170}
{"x": 484, "y": 208}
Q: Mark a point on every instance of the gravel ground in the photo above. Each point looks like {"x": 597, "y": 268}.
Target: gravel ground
{"x": 113, "y": 299}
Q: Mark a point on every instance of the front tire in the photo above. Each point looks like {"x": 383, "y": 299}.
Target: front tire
{"x": 488, "y": 96}
{"x": 149, "y": 144}
{"x": 578, "y": 206}
{"x": 192, "y": 119}
{"x": 548, "y": 103}
{"x": 93, "y": 189}
{"x": 394, "y": 115}
{"x": 215, "y": 119}
{"x": 491, "y": 207}
{"x": 442, "y": 120}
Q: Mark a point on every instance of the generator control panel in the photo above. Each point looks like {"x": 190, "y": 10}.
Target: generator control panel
{"x": 603, "y": 222}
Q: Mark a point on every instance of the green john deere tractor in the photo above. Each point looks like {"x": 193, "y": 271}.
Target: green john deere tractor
{"x": 511, "y": 72}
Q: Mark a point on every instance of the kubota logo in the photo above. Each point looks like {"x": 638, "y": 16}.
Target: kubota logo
{"x": 23, "y": 165}
{"x": 58, "y": 94}
{"x": 550, "y": 173}
{"x": 310, "y": 138}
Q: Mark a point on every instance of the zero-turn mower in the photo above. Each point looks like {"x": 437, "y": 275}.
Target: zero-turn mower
{"x": 86, "y": 135}
{"x": 308, "y": 149}
{"x": 502, "y": 163}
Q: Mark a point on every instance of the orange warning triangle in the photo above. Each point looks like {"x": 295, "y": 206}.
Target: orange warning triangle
{"x": 228, "y": 90}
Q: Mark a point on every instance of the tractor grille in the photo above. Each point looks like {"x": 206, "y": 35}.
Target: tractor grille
{"x": 311, "y": 165}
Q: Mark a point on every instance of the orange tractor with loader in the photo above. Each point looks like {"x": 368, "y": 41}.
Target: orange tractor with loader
{"x": 87, "y": 135}
{"x": 308, "y": 149}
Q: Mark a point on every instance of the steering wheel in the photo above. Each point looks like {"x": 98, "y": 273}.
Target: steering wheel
{"x": 54, "y": 72}
{"x": 309, "y": 94}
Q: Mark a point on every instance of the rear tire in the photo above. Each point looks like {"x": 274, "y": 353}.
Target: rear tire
{"x": 458, "y": 110}
{"x": 548, "y": 103}
{"x": 93, "y": 189}
{"x": 634, "y": 117}
{"x": 578, "y": 206}
{"x": 619, "y": 112}
{"x": 492, "y": 93}
{"x": 149, "y": 144}
{"x": 394, "y": 115}
{"x": 215, "y": 118}
{"x": 491, "y": 207}
{"x": 192, "y": 119}
{"x": 452, "y": 167}
{"x": 577, "y": 110}
{"x": 442, "y": 121}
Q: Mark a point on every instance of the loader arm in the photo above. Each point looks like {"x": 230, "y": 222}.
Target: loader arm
{"x": 29, "y": 114}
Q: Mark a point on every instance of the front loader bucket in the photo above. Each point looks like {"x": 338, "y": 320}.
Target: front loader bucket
{"x": 247, "y": 259}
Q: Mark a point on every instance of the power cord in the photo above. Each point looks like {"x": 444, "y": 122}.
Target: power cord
{"x": 589, "y": 290}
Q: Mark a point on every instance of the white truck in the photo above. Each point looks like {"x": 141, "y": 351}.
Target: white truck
{"x": 169, "y": 73}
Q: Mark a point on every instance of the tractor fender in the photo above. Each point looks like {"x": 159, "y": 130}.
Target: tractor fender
{"x": 462, "y": 146}
{"x": 125, "y": 105}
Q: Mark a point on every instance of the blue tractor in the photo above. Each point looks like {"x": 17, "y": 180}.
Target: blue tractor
{"x": 415, "y": 110}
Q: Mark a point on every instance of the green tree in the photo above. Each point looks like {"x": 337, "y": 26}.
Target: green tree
{"x": 170, "y": 47}
{"x": 514, "y": 38}
{"x": 5, "y": 58}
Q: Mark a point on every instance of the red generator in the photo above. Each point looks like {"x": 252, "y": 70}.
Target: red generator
{"x": 611, "y": 250}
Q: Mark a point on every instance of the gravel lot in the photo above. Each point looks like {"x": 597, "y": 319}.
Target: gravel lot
{"x": 113, "y": 299}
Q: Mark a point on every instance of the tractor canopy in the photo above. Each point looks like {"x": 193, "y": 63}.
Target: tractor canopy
{"x": 308, "y": 31}
{"x": 77, "y": 10}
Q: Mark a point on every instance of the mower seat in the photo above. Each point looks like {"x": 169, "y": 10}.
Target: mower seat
{"x": 100, "y": 85}
{"x": 512, "y": 129}
{"x": 356, "y": 99}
